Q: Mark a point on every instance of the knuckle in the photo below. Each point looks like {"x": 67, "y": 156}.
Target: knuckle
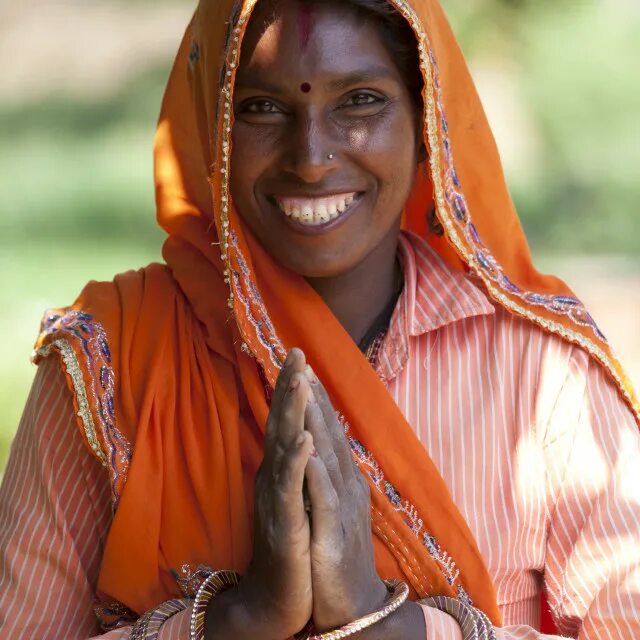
{"x": 329, "y": 552}
{"x": 332, "y": 502}
{"x": 331, "y": 462}
{"x": 281, "y": 495}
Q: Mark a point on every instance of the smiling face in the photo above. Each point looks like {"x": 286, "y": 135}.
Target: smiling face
{"x": 325, "y": 137}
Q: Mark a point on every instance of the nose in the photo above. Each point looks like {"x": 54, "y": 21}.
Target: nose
{"x": 310, "y": 156}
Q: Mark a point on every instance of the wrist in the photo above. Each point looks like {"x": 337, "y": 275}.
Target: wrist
{"x": 407, "y": 623}
{"x": 228, "y": 616}
{"x": 239, "y": 614}
{"x": 375, "y": 599}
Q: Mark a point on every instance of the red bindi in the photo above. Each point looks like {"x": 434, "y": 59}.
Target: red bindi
{"x": 305, "y": 87}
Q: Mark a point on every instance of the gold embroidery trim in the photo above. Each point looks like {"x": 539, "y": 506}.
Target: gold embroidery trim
{"x": 74, "y": 371}
{"x": 435, "y": 166}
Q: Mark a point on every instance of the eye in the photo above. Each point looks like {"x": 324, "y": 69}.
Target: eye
{"x": 260, "y": 106}
{"x": 362, "y": 99}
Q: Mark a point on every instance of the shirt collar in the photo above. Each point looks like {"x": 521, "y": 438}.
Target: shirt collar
{"x": 434, "y": 296}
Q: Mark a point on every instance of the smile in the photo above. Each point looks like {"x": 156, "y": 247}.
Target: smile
{"x": 316, "y": 211}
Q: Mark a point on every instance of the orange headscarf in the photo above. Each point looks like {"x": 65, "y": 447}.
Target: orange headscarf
{"x": 168, "y": 365}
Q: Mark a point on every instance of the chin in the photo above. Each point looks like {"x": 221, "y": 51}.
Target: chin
{"x": 322, "y": 262}
{"x": 316, "y": 267}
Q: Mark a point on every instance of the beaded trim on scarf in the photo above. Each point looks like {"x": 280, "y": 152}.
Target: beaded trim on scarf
{"x": 261, "y": 322}
{"x": 190, "y": 580}
{"x": 75, "y": 327}
{"x": 113, "y": 615}
{"x": 482, "y": 259}
{"x": 454, "y": 215}
{"x": 409, "y": 513}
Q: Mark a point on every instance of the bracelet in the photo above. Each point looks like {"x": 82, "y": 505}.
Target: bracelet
{"x": 148, "y": 626}
{"x": 475, "y": 625}
{"x": 214, "y": 584}
{"x": 398, "y": 592}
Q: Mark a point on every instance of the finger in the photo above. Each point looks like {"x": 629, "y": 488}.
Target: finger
{"x": 326, "y": 520}
{"x": 291, "y": 423}
{"x": 294, "y": 362}
{"x": 314, "y": 422}
{"x": 289, "y": 508}
{"x": 340, "y": 444}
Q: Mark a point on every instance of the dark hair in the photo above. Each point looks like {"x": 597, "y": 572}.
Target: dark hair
{"x": 397, "y": 36}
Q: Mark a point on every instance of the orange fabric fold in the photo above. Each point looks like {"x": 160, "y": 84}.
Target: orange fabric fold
{"x": 191, "y": 344}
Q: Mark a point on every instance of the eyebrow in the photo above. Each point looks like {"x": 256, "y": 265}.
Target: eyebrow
{"x": 254, "y": 81}
{"x": 362, "y": 76}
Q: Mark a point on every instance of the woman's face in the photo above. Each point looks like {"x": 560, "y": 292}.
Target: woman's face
{"x": 325, "y": 137}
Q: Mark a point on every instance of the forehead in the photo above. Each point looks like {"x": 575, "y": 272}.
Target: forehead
{"x": 301, "y": 40}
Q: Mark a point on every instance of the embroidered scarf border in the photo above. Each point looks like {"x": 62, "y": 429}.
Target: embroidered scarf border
{"x": 74, "y": 335}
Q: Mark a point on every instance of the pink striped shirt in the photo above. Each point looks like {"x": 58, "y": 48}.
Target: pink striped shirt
{"x": 539, "y": 452}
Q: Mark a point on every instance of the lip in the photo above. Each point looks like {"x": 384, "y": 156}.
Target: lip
{"x": 314, "y": 230}
{"x": 315, "y": 194}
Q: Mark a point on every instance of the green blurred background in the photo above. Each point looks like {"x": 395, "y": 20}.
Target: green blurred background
{"x": 80, "y": 88}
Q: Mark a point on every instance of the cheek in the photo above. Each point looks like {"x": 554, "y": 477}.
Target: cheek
{"x": 255, "y": 138}
{"x": 386, "y": 149}
{"x": 253, "y": 148}
{"x": 251, "y": 155}
{"x": 389, "y": 130}
{"x": 385, "y": 142}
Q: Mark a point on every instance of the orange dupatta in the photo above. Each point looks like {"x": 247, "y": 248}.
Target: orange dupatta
{"x": 165, "y": 364}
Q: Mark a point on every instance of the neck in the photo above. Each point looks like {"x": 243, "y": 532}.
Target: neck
{"x": 359, "y": 296}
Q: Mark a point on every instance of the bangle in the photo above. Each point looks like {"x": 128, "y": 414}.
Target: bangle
{"x": 214, "y": 584}
{"x": 148, "y": 625}
{"x": 398, "y": 593}
{"x": 474, "y": 624}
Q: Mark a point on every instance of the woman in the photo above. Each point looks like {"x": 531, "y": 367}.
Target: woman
{"x": 431, "y": 434}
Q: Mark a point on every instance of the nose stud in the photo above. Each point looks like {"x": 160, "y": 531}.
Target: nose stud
{"x": 330, "y": 156}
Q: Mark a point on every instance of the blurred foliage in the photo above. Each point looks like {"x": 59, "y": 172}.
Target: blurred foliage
{"x": 576, "y": 66}
{"x": 81, "y": 169}
{"x": 76, "y": 203}
{"x": 76, "y": 189}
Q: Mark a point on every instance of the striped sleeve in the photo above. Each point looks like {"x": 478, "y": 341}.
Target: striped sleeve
{"x": 55, "y": 513}
{"x": 592, "y": 567}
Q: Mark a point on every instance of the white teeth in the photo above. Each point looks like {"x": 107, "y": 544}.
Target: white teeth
{"x": 321, "y": 213}
{"x": 315, "y": 211}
